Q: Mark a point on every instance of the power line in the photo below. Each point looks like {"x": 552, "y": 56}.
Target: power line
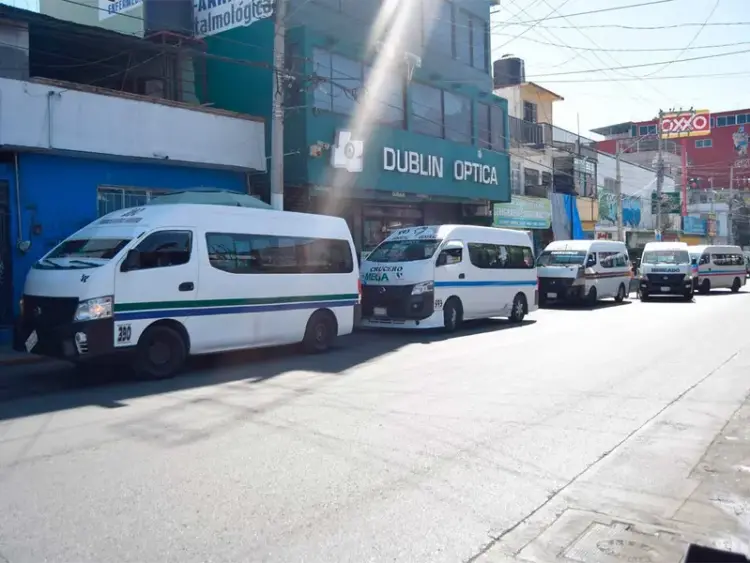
{"x": 643, "y": 65}
{"x": 646, "y": 27}
{"x": 554, "y": 10}
{"x": 630, "y": 49}
{"x": 690, "y": 43}
{"x": 598, "y": 11}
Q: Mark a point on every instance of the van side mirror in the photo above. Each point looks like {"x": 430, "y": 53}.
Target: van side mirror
{"x": 442, "y": 259}
{"x": 132, "y": 261}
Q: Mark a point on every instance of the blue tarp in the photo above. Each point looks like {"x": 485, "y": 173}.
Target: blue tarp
{"x": 566, "y": 223}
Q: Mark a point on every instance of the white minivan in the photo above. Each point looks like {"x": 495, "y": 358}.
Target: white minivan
{"x": 440, "y": 276}
{"x": 665, "y": 270}
{"x": 166, "y": 281}
{"x": 577, "y": 270}
{"x": 719, "y": 267}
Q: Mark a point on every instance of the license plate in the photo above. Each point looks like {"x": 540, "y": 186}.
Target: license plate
{"x": 380, "y": 311}
{"x": 31, "y": 341}
{"x": 552, "y": 295}
{"x": 665, "y": 288}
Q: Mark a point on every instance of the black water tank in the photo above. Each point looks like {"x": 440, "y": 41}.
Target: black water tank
{"x": 174, "y": 16}
{"x": 508, "y": 71}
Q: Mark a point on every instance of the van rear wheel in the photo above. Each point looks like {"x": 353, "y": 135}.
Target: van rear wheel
{"x": 320, "y": 333}
{"x": 705, "y": 286}
{"x": 620, "y": 297}
{"x": 736, "y": 285}
{"x": 518, "y": 311}
{"x": 161, "y": 352}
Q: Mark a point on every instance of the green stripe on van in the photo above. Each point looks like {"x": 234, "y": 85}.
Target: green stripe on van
{"x": 191, "y": 304}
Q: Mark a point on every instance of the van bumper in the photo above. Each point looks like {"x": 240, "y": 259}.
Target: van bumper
{"x": 74, "y": 342}
{"x": 683, "y": 287}
{"x": 560, "y": 289}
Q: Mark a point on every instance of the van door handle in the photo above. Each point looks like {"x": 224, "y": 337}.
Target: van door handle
{"x": 461, "y": 276}
{"x": 186, "y": 286}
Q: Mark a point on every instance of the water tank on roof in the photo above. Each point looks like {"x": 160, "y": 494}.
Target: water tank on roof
{"x": 173, "y": 16}
{"x": 508, "y": 71}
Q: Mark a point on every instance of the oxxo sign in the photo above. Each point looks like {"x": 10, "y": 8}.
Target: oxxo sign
{"x": 685, "y": 124}
{"x": 419, "y": 164}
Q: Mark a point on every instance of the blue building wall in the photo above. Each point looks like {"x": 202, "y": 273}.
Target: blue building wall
{"x": 59, "y": 194}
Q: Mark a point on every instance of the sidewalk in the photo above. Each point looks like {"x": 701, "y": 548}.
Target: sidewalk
{"x": 9, "y": 357}
{"x": 683, "y": 478}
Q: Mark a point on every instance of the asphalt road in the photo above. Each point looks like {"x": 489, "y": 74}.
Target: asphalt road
{"x": 395, "y": 447}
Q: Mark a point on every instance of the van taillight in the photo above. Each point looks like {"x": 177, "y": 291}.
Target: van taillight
{"x": 359, "y": 290}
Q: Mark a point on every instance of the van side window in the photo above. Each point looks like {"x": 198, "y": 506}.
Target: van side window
{"x": 165, "y": 248}
{"x": 705, "y": 259}
{"x": 454, "y": 255}
{"x": 607, "y": 259}
{"x": 267, "y": 254}
{"x": 498, "y": 256}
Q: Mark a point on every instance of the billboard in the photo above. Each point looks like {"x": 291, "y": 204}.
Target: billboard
{"x": 675, "y": 125}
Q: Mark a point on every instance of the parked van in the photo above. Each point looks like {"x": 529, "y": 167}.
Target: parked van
{"x": 666, "y": 270}
{"x": 440, "y": 276}
{"x": 163, "y": 282}
{"x": 719, "y": 267}
{"x": 576, "y": 270}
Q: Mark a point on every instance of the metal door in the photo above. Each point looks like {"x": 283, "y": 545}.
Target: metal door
{"x": 6, "y": 279}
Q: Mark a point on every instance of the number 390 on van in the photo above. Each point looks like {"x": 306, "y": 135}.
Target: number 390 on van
{"x": 162, "y": 282}
{"x": 440, "y": 276}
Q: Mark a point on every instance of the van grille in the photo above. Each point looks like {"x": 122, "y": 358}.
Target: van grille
{"x": 665, "y": 278}
{"x": 48, "y": 312}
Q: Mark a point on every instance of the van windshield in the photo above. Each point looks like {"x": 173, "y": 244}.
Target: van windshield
{"x": 561, "y": 258}
{"x": 404, "y": 250}
{"x": 82, "y": 253}
{"x": 665, "y": 257}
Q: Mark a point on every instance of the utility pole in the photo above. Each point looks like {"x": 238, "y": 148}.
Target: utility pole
{"x": 277, "y": 119}
{"x": 712, "y": 210}
{"x": 730, "y": 218}
{"x": 618, "y": 192}
{"x": 659, "y": 175}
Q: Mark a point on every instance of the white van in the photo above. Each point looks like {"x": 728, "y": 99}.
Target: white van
{"x": 575, "y": 270}
{"x": 719, "y": 267}
{"x": 665, "y": 270}
{"x": 166, "y": 281}
{"x": 439, "y": 276}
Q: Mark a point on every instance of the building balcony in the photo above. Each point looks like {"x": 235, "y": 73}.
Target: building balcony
{"x": 545, "y": 136}
{"x": 50, "y": 115}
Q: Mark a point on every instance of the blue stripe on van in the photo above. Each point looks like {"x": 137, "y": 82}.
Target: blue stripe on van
{"x": 206, "y": 311}
{"x": 485, "y": 283}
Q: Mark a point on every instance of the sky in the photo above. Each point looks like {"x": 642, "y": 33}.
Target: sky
{"x": 596, "y": 97}
{"x": 581, "y": 57}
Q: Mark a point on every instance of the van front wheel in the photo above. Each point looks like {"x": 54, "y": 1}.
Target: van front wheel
{"x": 620, "y": 297}
{"x": 161, "y": 353}
{"x": 452, "y": 315}
{"x": 736, "y": 285}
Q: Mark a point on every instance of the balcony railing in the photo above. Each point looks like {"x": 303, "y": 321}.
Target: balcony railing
{"x": 545, "y": 135}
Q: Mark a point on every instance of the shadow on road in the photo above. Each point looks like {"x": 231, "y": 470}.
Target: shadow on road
{"x": 721, "y": 293}
{"x": 63, "y": 386}
{"x": 585, "y": 307}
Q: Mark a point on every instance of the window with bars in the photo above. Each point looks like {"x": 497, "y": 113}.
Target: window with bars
{"x": 111, "y": 199}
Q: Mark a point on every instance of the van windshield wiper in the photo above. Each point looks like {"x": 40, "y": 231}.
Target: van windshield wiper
{"x": 51, "y": 263}
{"x": 85, "y": 263}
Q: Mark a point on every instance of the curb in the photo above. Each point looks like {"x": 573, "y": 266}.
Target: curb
{"x": 22, "y": 359}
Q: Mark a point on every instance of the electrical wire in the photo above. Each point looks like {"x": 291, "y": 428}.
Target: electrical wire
{"x": 690, "y": 43}
{"x": 631, "y": 49}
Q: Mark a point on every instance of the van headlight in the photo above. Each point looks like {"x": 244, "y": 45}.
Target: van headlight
{"x": 92, "y": 309}
{"x": 424, "y": 287}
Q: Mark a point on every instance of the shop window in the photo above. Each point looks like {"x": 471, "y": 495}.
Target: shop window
{"x": 479, "y": 35}
{"x": 388, "y": 97}
{"x": 457, "y": 111}
{"x": 529, "y": 112}
{"x": 497, "y": 126}
{"x": 340, "y": 81}
{"x": 163, "y": 249}
{"x": 437, "y": 25}
{"x": 516, "y": 185}
{"x": 266, "y": 254}
{"x": 484, "y": 135}
{"x": 427, "y": 110}
{"x": 463, "y": 36}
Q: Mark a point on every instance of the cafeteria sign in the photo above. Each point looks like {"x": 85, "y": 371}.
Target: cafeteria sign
{"x": 523, "y": 212}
